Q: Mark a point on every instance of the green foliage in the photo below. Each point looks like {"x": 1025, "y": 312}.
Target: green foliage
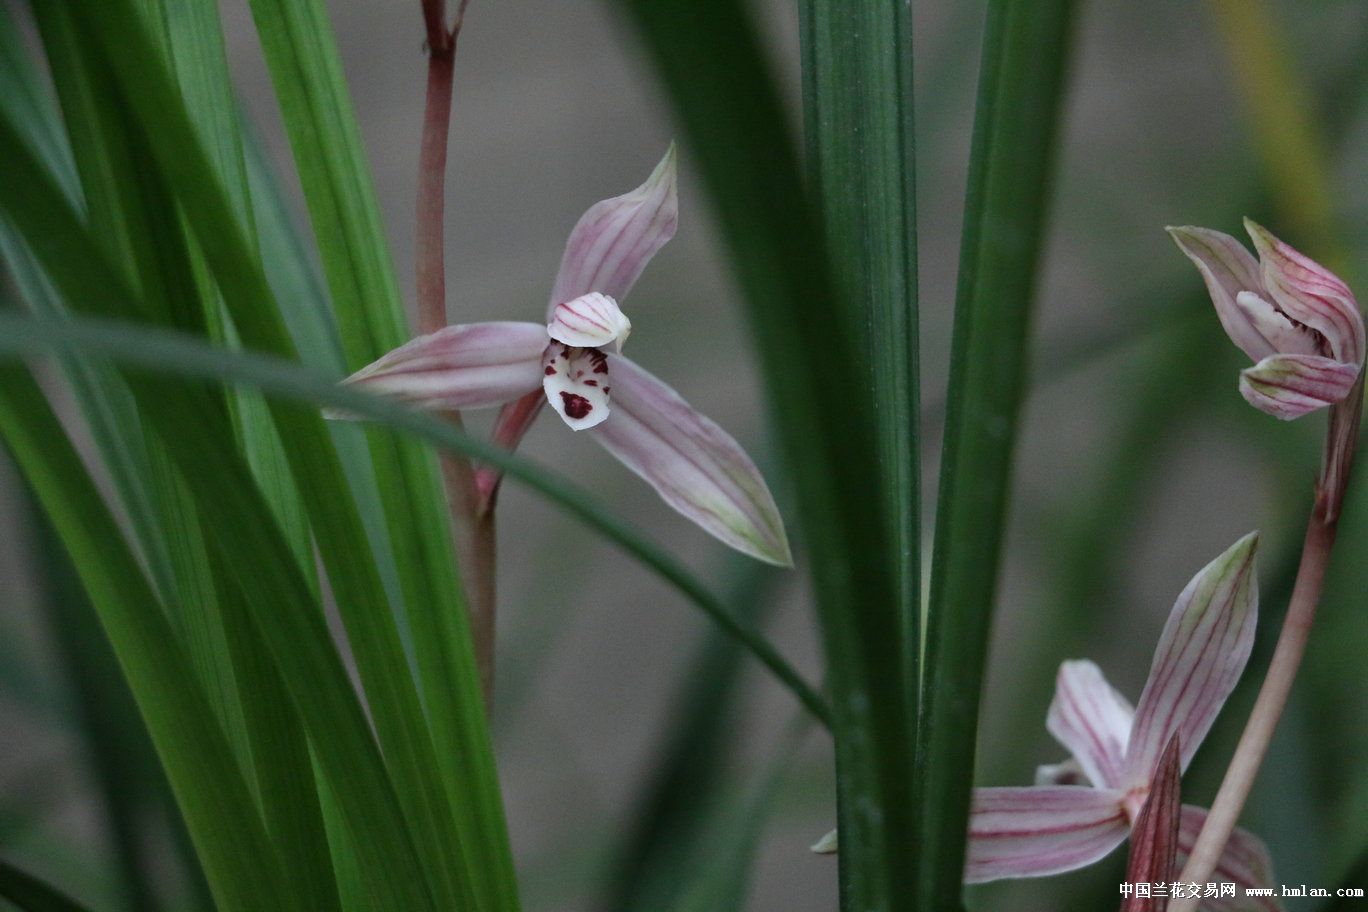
{"x": 193, "y": 490}
{"x": 1025, "y": 55}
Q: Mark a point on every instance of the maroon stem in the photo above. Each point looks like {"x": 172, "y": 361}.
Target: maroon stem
{"x": 472, "y": 527}
{"x": 1341, "y": 444}
{"x": 1268, "y": 708}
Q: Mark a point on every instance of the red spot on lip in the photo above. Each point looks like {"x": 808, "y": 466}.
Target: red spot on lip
{"x": 550, "y": 370}
{"x": 591, "y": 383}
{"x": 576, "y": 406}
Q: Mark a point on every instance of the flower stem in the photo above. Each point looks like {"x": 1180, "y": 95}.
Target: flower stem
{"x": 473, "y": 528}
{"x": 1268, "y": 708}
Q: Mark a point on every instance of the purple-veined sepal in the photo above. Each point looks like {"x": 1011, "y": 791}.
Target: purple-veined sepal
{"x": 1289, "y": 386}
{"x": 615, "y": 239}
{"x": 1228, "y": 269}
{"x": 1040, "y": 830}
{"x": 1310, "y": 294}
{"x": 1201, "y": 654}
{"x": 1091, "y": 720}
{"x": 694, "y": 465}
{"x": 469, "y": 366}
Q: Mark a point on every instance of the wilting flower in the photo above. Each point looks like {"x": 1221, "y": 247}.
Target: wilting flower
{"x": 574, "y": 362}
{"x": 1082, "y": 809}
{"x": 1291, "y": 315}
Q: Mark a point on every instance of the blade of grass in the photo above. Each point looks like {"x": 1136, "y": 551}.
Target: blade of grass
{"x": 733, "y": 120}
{"x": 216, "y": 478}
{"x": 32, "y": 894}
{"x": 130, "y": 207}
{"x": 857, "y": 100}
{"x": 1025, "y": 50}
{"x": 309, "y": 319}
{"x": 228, "y": 834}
{"x": 284, "y": 773}
{"x": 341, "y": 541}
{"x": 157, "y": 351}
{"x": 114, "y": 739}
{"x": 298, "y": 44}
{"x": 168, "y": 268}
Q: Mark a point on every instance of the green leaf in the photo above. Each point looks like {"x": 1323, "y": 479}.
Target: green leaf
{"x": 229, "y": 837}
{"x": 246, "y": 532}
{"x": 733, "y": 120}
{"x": 115, "y": 742}
{"x": 299, "y": 48}
{"x": 857, "y": 72}
{"x": 857, "y": 82}
{"x": 31, "y": 894}
{"x": 1025, "y": 50}
{"x": 155, "y": 351}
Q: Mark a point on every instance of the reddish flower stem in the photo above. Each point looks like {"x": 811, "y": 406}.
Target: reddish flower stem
{"x": 472, "y": 527}
{"x": 1287, "y": 656}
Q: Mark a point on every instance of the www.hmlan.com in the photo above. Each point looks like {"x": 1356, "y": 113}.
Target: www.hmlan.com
{"x": 1178, "y": 890}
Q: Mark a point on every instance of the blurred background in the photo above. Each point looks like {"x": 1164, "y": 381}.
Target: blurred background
{"x": 1139, "y": 462}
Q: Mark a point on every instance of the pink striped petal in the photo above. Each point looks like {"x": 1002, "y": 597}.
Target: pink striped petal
{"x": 1311, "y": 294}
{"x": 1200, "y": 656}
{"x": 1031, "y": 832}
{"x": 1245, "y": 863}
{"x": 460, "y": 367}
{"x": 589, "y": 321}
{"x": 1228, "y": 269}
{"x": 576, "y": 384}
{"x": 1289, "y": 386}
{"x": 694, "y": 465}
{"x": 615, "y": 239}
{"x": 1092, "y": 720}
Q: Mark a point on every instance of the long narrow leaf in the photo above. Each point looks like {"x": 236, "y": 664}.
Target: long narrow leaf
{"x": 160, "y": 352}
{"x": 857, "y": 72}
{"x": 1025, "y": 51}
{"x": 228, "y": 835}
{"x": 31, "y": 894}
{"x": 115, "y": 740}
{"x": 243, "y": 526}
{"x": 341, "y": 540}
{"x": 306, "y": 69}
{"x": 734, "y": 122}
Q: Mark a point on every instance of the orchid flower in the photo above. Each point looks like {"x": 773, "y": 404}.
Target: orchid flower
{"x": 1080, "y": 810}
{"x": 1291, "y": 315}
{"x": 574, "y": 362}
